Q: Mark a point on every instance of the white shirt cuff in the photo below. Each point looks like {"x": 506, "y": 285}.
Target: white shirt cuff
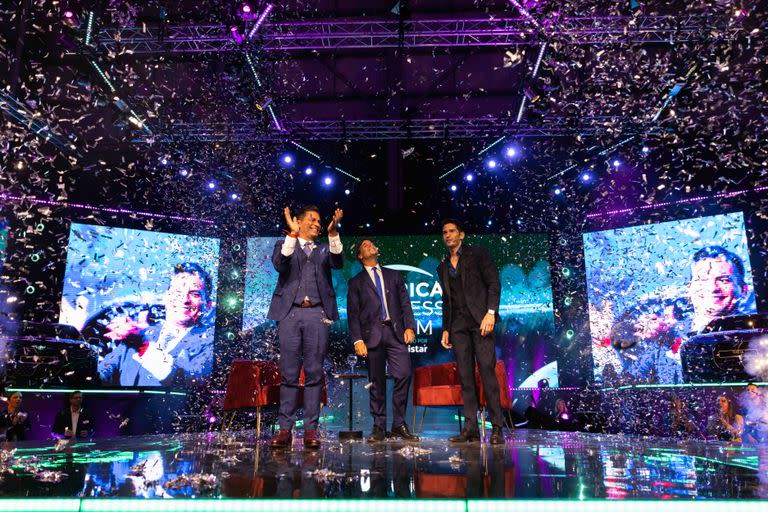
{"x": 359, "y": 341}
{"x": 334, "y": 243}
{"x": 289, "y": 245}
{"x": 491, "y": 312}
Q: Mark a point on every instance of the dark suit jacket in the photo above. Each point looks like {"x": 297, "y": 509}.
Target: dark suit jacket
{"x": 289, "y": 270}
{"x": 64, "y": 420}
{"x": 480, "y": 279}
{"x": 192, "y": 359}
{"x": 364, "y": 307}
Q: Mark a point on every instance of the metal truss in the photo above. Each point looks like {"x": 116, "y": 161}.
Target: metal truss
{"x": 427, "y": 33}
{"x": 343, "y": 130}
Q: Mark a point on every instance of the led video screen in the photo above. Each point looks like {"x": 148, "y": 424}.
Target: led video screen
{"x": 654, "y": 289}
{"x": 524, "y": 337}
{"x": 144, "y": 302}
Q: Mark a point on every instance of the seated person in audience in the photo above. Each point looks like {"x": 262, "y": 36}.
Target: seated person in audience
{"x": 73, "y": 422}
{"x": 14, "y": 422}
{"x": 755, "y": 404}
{"x": 725, "y": 424}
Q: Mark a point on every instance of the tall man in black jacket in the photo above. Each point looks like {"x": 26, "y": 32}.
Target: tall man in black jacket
{"x": 471, "y": 295}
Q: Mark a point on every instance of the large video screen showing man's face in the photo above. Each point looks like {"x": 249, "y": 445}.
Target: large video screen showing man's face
{"x": 145, "y": 300}
{"x": 650, "y": 287}
{"x": 524, "y": 336}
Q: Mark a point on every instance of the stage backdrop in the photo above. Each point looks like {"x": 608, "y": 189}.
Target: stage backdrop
{"x": 117, "y": 275}
{"x": 524, "y": 337}
{"x": 643, "y": 301}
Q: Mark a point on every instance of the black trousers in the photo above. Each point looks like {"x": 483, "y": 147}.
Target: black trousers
{"x": 469, "y": 347}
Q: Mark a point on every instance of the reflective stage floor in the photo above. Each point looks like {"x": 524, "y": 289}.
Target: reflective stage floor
{"x": 533, "y": 465}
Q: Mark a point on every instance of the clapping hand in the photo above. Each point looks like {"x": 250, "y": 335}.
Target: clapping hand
{"x": 334, "y": 225}
{"x": 292, "y": 222}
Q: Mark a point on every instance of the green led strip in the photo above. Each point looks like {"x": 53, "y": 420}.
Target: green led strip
{"x": 331, "y": 505}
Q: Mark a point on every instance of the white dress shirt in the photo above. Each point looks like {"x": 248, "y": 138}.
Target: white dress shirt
{"x": 289, "y": 245}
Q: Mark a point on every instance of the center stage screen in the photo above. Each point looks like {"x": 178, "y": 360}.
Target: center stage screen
{"x": 524, "y": 337}
{"x": 652, "y": 287}
{"x": 145, "y": 301}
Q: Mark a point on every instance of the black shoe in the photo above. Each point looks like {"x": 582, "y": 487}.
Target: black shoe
{"x": 377, "y": 434}
{"x": 497, "y": 435}
{"x": 403, "y": 433}
{"x": 466, "y": 436}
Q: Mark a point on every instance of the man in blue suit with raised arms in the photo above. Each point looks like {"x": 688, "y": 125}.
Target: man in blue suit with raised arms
{"x": 382, "y": 326}
{"x": 304, "y": 306}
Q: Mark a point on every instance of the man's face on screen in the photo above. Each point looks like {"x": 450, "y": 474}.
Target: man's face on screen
{"x": 714, "y": 289}
{"x": 185, "y": 300}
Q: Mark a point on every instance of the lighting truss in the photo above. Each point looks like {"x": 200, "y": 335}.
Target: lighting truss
{"x": 425, "y": 33}
{"x": 381, "y": 129}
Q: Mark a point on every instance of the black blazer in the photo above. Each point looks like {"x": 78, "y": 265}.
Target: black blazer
{"x": 480, "y": 279}
{"x": 364, "y": 307}
{"x": 64, "y": 420}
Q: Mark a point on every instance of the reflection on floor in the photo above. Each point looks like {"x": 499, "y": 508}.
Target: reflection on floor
{"x": 532, "y": 465}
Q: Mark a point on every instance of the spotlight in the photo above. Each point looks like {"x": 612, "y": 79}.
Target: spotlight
{"x": 469, "y": 177}
{"x": 490, "y": 222}
{"x": 164, "y": 160}
{"x": 68, "y": 14}
{"x": 558, "y": 191}
{"x": 235, "y": 34}
{"x": 328, "y": 180}
{"x": 20, "y": 165}
{"x": 211, "y": 185}
{"x": 184, "y": 173}
{"x": 586, "y": 177}
{"x": 511, "y": 152}
{"x": 453, "y": 188}
{"x": 246, "y": 8}
{"x": 234, "y": 196}
{"x": 287, "y": 159}
{"x": 491, "y": 164}
{"x": 646, "y": 150}
{"x": 346, "y": 192}
{"x": 308, "y": 171}
{"x": 616, "y": 163}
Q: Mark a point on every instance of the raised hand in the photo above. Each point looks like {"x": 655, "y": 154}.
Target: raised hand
{"x": 292, "y": 222}
{"x": 333, "y": 226}
{"x": 445, "y": 342}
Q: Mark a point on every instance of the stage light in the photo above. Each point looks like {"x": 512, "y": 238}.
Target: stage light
{"x": 616, "y": 163}
{"x": 469, "y": 177}
{"x": 328, "y": 180}
{"x": 453, "y": 188}
{"x": 164, "y": 160}
{"x": 211, "y": 185}
{"x": 246, "y": 8}
{"x": 234, "y": 196}
{"x": 346, "y": 192}
{"x": 491, "y": 164}
{"x": 511, "y": 152}
{"x": 490, "y": 222}
{"x": 212, "y": 419}
{"x": 287, "y": 159}
{"x": 569, "y": 334}
{"x": 68, "y": 14}
{"x": 260, "y": 20}
{"x": 184, "y": 173}
{"x": 235, "y": 34}
{"x": 586, "y": 177}
{"x": 308, "y": 171}
{"x": 20, "y": 165}
{"x": 558, "y": 191}
{"x": 646, "y": 149}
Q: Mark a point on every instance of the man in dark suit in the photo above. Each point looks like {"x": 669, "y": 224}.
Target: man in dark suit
{"x": 304, "y": 306}
{"x": 381, "y": 323}
{"x": 176, "y": 352}
{"x": 471, "y": 295}
{"x": 73, "y": 421}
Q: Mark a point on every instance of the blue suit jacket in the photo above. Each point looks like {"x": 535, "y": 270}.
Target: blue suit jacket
{"x": 289, "y": 270}
{"x": 364, "y": 307}
{"x": 192, "y": 360}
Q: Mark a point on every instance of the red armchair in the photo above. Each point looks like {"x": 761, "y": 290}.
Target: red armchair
{"x": 255, "y": 384}
{"x": 438, "y": 385}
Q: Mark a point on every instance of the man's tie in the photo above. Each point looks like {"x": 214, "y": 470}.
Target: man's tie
{"x": 381, "y": 292}
{"x": 308, "y": 249}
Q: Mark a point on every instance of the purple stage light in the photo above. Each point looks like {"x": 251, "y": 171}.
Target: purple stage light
{"x": 234, "y": 32}
{"x": 586, "y": 177}
{"x": 511, "y": 152}
{"x": 558, "y": 191}
{"x": 616, "y": 163}
{"x": 646, "y": 149}
{"x": 453, "y": 188}
{"x": 260, "y": 20}
{"x": 469, "y": 177}
{"x": 287, "y": 159}
{"x": 211, "y": 185}
{"x": 68, "y": 14}
{"x": 246, "y": 8}
{"x": 308, "y": 171}
{"x": 491, "y": 164}
{"x": 328, "y": 180}
{"x": 346, "y": 191}
{"x": 234, "y": 197}
{"x": 184, "y": 172}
